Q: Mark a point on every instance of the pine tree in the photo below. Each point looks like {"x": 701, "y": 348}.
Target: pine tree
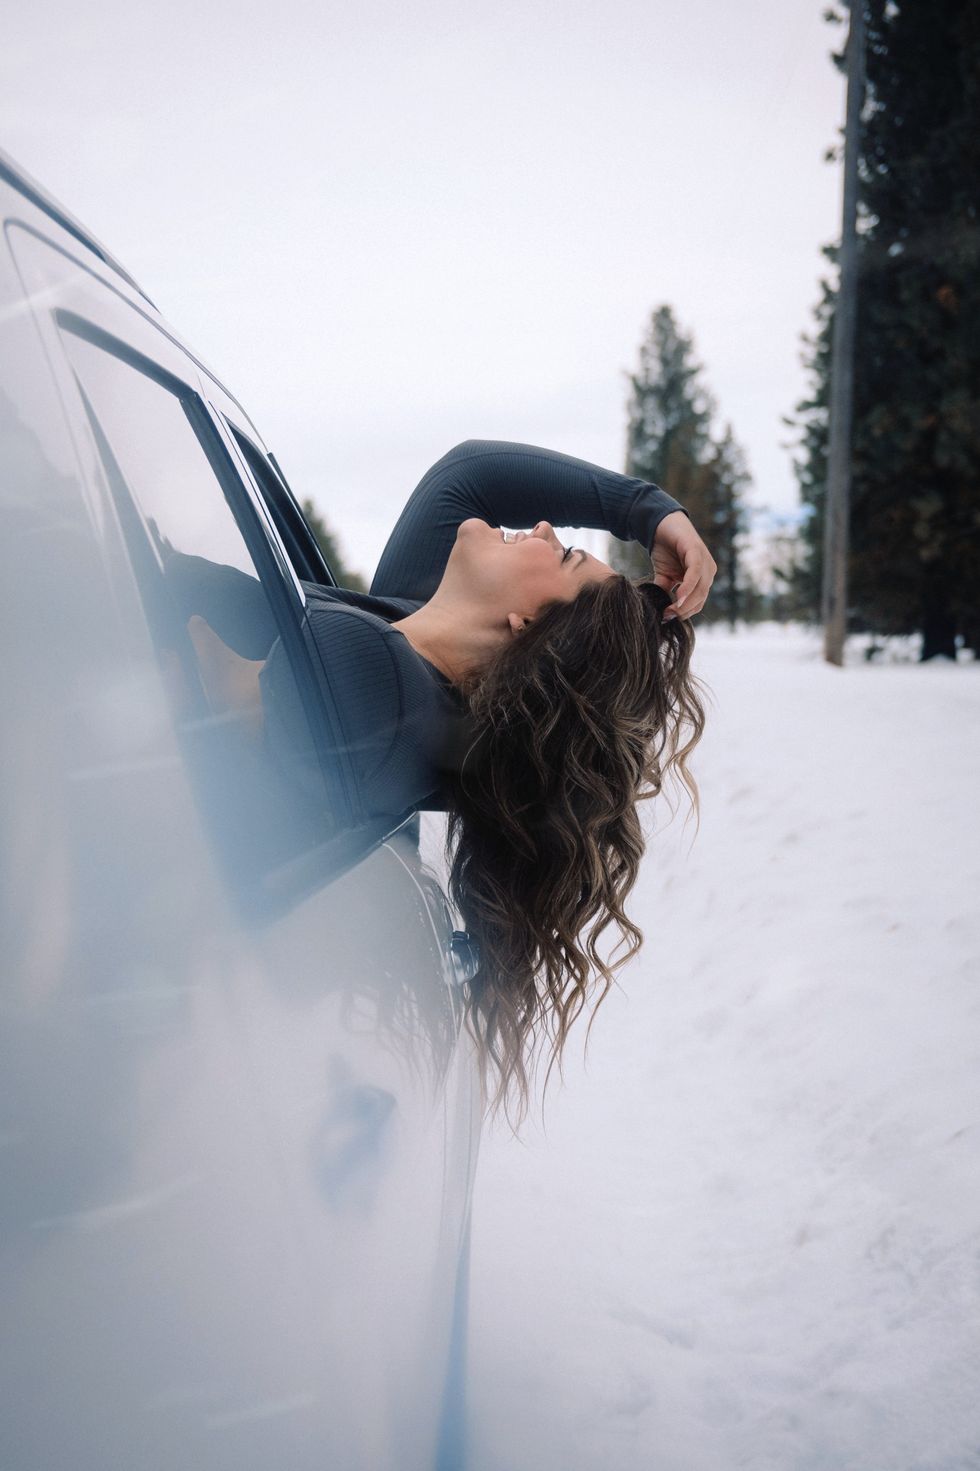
{"x": 916, "y": 521}
{"x": 915, "y": 499}
{"x": 667, "y": 434}
{"x": 722, "y": 519}
{"x": 804, "y": 573}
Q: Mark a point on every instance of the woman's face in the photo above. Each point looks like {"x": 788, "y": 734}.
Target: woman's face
{"x": 521, "y": 575}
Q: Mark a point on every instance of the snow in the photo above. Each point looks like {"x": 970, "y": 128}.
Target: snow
{"x": 749, "y": 1235}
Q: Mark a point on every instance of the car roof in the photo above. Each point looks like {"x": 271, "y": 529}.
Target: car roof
{"x": 20, "y": 179}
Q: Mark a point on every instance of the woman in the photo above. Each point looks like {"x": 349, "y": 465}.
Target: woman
{"x": 527, "y": 688}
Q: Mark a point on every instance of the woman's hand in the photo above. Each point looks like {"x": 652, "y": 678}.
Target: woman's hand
{"x": 680, "y": 556}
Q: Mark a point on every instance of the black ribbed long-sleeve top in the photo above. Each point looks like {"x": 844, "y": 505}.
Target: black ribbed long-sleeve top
{"x": 400, "y": 719}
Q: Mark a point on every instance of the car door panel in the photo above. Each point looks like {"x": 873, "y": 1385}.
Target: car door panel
{"x": 239, "y": 1154}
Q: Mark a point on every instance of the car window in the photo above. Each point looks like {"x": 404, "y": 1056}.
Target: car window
{"x": 229, "y": 647}
{"x": 301, "y": 545}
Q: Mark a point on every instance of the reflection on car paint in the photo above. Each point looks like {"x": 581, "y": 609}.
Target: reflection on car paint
{"x": 350, "y": 1143}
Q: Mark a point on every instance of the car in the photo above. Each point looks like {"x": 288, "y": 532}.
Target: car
{"x": 239, "y": 1107}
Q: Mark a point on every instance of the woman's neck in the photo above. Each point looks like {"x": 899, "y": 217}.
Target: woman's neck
{"x": 449, "y": 639}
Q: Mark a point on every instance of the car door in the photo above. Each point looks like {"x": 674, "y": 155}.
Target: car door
{"x": 253, "y": 1256}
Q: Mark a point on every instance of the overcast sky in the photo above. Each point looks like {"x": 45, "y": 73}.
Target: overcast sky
{"x": 389, "y": 228}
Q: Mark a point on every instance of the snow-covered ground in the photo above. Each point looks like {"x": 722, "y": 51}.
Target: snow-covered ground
{"x": 749, "y": 1235}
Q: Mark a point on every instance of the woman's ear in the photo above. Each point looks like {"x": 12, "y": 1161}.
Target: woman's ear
{"x": 517, "y": 622}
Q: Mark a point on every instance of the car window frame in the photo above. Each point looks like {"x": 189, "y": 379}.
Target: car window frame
{"x": 294, "y": 531}
{"x": 55, "y": 278}
{"x": 280, "y": 583}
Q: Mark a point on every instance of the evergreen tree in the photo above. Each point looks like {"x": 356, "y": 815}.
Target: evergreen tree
{"x": 330, "y": 548}
{"x": 916, "y": 522}
{"x": 669, "y": 442}
{"x": 803, "y": 574}
{"x": 722, "y": 519}
{"x": 668, "y": 428}
{"x": 915, "y": 499}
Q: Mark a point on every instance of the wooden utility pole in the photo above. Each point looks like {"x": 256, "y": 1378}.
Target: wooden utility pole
{"x": 836, "y": 511}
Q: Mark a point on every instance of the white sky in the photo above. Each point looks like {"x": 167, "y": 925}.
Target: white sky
{"x": 391, "y": 228}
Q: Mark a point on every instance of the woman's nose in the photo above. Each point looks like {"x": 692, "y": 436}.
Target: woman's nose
{"x": 544, "y": 530}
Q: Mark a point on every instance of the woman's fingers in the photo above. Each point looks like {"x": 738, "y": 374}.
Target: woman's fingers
{"x": 679, "y": 554}
{"x": 692, "y": 594}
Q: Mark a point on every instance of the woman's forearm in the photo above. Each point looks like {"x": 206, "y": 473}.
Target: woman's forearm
{"x": 510, "y": 484}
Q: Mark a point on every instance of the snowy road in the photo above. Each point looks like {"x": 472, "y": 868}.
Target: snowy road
{"x": 750, "y": 1236}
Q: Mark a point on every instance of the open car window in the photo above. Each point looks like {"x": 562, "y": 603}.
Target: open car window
{"x": 302, "y": 546}
{"x": 256, "y": 736}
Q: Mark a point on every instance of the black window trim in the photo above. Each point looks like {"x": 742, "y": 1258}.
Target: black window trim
{"x": 284, "y": 511}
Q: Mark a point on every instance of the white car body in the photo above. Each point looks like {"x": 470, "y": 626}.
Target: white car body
{"x": 239, "y": 1116}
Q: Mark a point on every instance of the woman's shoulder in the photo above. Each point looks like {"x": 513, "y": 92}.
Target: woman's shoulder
{"x": 370, "y": 668}
{"x": 382, "y": 608}
{"x": 360, "y": 653}
{"x": 357, "y": 653}
{"x": 396, "y": 713}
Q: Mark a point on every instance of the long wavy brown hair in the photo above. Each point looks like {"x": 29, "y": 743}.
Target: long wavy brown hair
{"x": 578, "y": 720}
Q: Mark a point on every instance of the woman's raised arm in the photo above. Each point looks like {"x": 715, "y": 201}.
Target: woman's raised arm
{"x": 514, "y": 485}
